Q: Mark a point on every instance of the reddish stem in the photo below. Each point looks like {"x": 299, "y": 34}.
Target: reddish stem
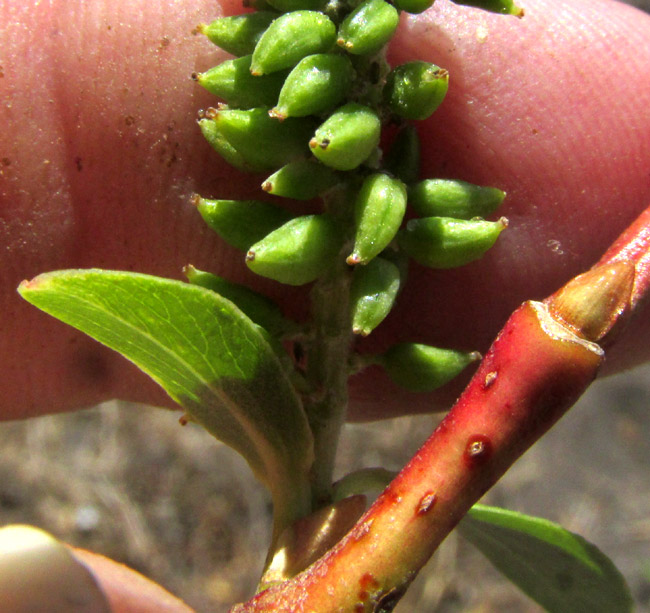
{"x": 485, "y": 432}
{"x": 633, "y": 246}
{"x": 538, "y": 366}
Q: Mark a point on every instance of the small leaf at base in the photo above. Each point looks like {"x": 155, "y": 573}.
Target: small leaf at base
{"x": 558, "y": 569}
{"x": 206, "y": 354}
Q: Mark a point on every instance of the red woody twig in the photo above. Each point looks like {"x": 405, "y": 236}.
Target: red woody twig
{"x": 540, "y": 363}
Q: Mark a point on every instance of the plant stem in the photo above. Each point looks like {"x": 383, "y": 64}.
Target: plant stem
{"x": 509, "y": 403}
{"x": 633, "y": 245}
{"x": 327, "y": 371}
{"x": 536, "y": 369}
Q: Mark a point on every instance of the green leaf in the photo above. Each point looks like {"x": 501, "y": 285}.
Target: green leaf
{"x": 559, "y": 569}
{"x": 205, "y": 353}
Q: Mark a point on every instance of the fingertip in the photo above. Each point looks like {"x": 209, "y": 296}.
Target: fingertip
{"x": 126, "y": 590}
{"x": 38, "y": 573}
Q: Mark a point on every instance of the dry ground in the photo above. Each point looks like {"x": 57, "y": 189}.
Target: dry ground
{"x": 129, "y": 482}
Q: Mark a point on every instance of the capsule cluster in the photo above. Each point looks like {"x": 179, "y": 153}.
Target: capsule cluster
{"x": 305, "y": 101}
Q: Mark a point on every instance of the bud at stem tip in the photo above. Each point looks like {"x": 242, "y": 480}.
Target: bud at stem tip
{"x": 592, "y": 303}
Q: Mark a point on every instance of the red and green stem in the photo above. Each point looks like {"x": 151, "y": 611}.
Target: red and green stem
{"x": 541, "y": 362}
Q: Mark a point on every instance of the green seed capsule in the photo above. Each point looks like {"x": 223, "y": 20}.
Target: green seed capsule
{"x": 222, "y": 146}
{"x": 238, "y": 34}
{"x": 298, "y": 252}
{"x": 260, "y": 309}
{"x": 241, "y": 223}
{"x": 290, "y": 38}
{"x": 368, "y": 27}
{"x": 504, "y": 7}
{"x": 403, "y": 158}
{"x": 318, "y": 83}
{"x": 413, "y": 6}
{"x": 416, "y": 89}
{"x": 262, "y": 142}
{"x": 400, "y": 259}
{"x": 348, "y": 137}
{"x": 301, "y": 180}
{"x": 258, "y": 5}
{"x": 232, "y": 82}
{"x": 422, "y": 368}
{"x": 372, "y": 294}
{"x": 442, "y": 242}
{"x": 378, "y": 211}
{"x": 450, "y": 198}
{"x": 286, "y": 6}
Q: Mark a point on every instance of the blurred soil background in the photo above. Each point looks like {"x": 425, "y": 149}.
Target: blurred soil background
{"x": 129, "y": 482}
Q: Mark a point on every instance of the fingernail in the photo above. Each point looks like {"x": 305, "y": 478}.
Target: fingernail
{"x": 38, "y": 573}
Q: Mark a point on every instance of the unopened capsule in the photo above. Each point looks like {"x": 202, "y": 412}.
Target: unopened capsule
{"x": 233, "y": 82}
{"x": 403, "y": 158}
{"x": 285, "y": 6}
{"x": 241, "y": 223}
{"x": 453, "y": 198}
{"x": 372, "y": 294}
{"x": 378, "y": 211}
{"x": 413, "y": 6}
{"x": 423, "y": 368}
{"x": 219, "y": 143}
{"x": 238, "y": 34}
{"x": 368, "y": 27}
{"x": 416, "y": 89}
{"x": 348, "y": 137}
{"x": 298, "y": 252}
{"x": 301, "y": 180}
{"x": 318, "y": 83}
{"x": 260, "y": 309}
{"x": 290, "y": 38}
{"x": 505, "y": 7}
{"x": 442, "y": 242}
{"x": 261, "y": 141}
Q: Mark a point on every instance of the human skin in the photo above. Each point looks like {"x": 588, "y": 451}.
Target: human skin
{"x": 99, "y": 156}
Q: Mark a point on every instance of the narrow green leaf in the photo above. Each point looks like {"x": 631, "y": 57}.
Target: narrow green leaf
{"x": 559, "y": 569}
{"x": 205, "y": 353}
